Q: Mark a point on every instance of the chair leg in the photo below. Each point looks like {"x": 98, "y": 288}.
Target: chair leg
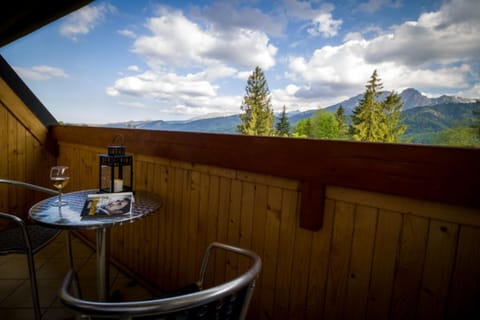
{"x": 33, "y": 284}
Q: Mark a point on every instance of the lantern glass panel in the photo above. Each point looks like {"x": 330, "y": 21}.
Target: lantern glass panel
{"x": 116, "y": 173}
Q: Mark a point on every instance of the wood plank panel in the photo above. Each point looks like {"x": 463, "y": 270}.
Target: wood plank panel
{"x": 319, "y": 264}
{"x": 465, "y": 291}
{"x": 246, "y": 219}
{"x": 161, "y": 227}
{"x": 223, "y": 224}
{"x": 213, "y": 219}
{"x": 286, "y": 256}
{"x": 192, "y": 228}
{"x": 270, "y": 256}
{"x": 364, "y": 231}
{"x": 258, "y": 243}
{"x": 233, "y": 229}
{"x": 383, "y": 266}
{"x": 437, "y": 271}
{"x": 409, "y": 267}
{"x": 339, "y": 260}
{"x": 202, "y": 239}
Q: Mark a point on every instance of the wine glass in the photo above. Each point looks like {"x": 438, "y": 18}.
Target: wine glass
{"x": 59, "y": 175}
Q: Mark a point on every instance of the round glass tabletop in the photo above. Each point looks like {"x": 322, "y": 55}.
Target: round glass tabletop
{"x": 69, "y": 215}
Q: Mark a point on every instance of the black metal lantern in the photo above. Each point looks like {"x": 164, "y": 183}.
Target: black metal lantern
{"x": 116, "y": 169}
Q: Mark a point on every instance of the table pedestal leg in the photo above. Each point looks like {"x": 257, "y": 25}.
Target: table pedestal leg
{"x": 103, "y": 276}
{"x": 76, "y": 285}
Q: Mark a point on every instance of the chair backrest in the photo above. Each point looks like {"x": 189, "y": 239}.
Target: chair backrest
{"x": 28, "y": 186}
{"x": 229, "y": 300}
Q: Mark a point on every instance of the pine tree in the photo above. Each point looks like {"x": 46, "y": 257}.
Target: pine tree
{"x": 283, "y": 125}
{"x": 342, "y": 122}
{"x": 368, "y": 120}
{"x": 476, "y": 120}
{"x": 257, "y": 118}
{"x": 392, "y": 111}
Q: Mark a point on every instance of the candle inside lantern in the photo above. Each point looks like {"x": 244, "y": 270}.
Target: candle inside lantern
{"x": 118, "y": 185}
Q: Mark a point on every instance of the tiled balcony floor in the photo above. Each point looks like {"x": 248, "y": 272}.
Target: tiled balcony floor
{"x": 51, "y": 265}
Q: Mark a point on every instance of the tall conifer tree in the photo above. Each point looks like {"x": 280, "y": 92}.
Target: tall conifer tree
{"x": 342, "y": 122}
{"x": 367, "y": 118}
{"x": 283, "y": 125}
{"x": 257, "y": 117}
{"x": 392, "y": 107}
{"x": 476, "y": 119}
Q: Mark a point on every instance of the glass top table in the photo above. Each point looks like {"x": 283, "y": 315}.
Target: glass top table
{"x": 68, "y": 217}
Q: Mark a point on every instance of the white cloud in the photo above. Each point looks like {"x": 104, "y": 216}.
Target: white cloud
{"x": 446, "y": 36}
{"x": 83, "y": 21}
{"x": 41, "y": 73}
{"x": 163, "y": 86}
{"x": 127, "y": 33}
{"x": 473, "y": 92}
{"x": 243, "y": 75}
{"x": 133, "y": 68}
{"x": 321, "y": 19}
{"x": 178, "y": 41}
{"x": 434, "y": 52}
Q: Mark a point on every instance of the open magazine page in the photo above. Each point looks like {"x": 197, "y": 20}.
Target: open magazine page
{"x": 108, "y": 204}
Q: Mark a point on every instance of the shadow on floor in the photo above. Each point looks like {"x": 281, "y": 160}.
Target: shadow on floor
{"x": 51, "y": 265}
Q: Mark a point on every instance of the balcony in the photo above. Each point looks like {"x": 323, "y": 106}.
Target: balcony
{"x": 345, "y": 230}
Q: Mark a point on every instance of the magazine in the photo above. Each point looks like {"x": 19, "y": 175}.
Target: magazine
{"x": 108, "y": 204}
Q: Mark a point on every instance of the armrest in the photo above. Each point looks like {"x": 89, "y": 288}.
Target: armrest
{"x": 29, "y": 186}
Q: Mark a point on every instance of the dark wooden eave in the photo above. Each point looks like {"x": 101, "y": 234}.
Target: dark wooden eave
{"x": 21, "y": 17}
{"x": 25, "y": 94}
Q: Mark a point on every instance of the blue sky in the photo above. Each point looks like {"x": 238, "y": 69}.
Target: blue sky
{"x": 175, "y": 60}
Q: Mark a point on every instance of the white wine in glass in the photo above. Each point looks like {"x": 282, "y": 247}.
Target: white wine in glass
{"x": 59, "y": 175}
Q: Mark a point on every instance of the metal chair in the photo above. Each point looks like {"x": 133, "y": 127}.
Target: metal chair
{"x": 26, "y": 239}
{"x": 229, "y": 300}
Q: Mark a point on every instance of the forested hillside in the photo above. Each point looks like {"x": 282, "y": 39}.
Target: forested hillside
{"x": 424, "y": 122}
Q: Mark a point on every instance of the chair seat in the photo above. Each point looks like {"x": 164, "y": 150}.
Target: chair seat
{"x": 12, "y": 241}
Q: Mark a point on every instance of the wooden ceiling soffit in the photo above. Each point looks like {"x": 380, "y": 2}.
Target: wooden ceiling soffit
{"x": 21, "y": 17}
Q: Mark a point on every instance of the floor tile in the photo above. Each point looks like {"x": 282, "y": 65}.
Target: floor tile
{"x": 51, "y": 267}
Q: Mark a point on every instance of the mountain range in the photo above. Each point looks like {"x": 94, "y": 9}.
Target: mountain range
{"x": 421, "y": 114}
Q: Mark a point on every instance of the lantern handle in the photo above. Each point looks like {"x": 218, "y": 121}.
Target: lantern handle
{"x": 115, "y": 139}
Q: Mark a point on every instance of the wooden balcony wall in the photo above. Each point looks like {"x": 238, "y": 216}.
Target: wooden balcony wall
{"x": 376, "y": 256}
{"x": 24, "y": 154}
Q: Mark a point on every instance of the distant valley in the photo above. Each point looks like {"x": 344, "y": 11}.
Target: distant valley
{"x": 424, "y": 116}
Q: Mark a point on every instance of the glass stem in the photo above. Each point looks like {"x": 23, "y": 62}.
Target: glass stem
{"x": 60, "y": 198}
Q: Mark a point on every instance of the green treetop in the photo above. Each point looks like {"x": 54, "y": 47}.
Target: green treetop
{"x": 367, "y": 118}
{"x": 476, "y": 120}
{"x": 303, "y": 129}
{"x": 392, "y": 111}
{"x": 257, "y": 117}
{"x": 282, "y": 127}
{"x": 377, "y": 121}
{"x": 342, "y": 122}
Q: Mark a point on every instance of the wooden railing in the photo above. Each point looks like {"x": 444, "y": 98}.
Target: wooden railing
{"x": 379, "y": 254}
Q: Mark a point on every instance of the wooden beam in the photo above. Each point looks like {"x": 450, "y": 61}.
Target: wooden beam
{"x": 20, "y": 17}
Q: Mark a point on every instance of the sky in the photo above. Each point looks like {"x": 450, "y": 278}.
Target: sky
{"x": 123, "y": 60}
